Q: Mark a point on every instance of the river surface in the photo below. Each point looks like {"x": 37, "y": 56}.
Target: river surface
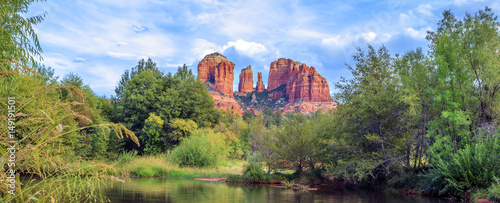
{"x": 189, "y": 190}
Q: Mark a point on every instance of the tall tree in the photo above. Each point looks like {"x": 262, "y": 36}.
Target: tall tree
{"x": 369, "y": 134}
{"x": 415, "y": 73}
{"x": 145, "y": 90}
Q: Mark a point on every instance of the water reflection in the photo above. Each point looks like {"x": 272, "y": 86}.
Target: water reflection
{"x": 187, "y": 190}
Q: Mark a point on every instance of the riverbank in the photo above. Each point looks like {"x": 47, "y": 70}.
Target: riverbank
{"x": 238, "y": 171}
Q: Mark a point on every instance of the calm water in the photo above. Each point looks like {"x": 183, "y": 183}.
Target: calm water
{"x": 187, "y": 190}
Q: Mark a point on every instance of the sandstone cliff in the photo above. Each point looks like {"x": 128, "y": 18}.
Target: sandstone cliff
{"x": 246, "y": 80}
{"x": 293, "y": 86}
{"x": 216, "y": 69}
{"x": 260, "y": 85}
{"x": 302, "y": 82}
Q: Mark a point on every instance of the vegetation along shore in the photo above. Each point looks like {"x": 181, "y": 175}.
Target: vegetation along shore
{"x": 423, "y": 123}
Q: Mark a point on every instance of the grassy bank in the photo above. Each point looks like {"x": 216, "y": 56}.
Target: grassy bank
{"x": 163, "y": 166}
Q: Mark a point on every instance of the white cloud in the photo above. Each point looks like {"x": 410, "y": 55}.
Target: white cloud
{"x": 79, "y": 60}
{"x": 251, "y": 49}
{"x": 58, "y": 62}
{"x": 138, "y": 28}
{"x": 370, "y": 36}
{"x": 404, "y": 17}
{"x": 338, "y": 41}
{"x": 346, "y": 39}
{"x": 301, "y": 33}
{"x": 168, "y": 65}
{"x": 112, "y": 34}
{"x": 103, "y": 78}
{"x": 417, "y": 34}
{"x": 122, "y": 55}
{"x": 425, "y": 9}
{"x": 459, "y": 2}
{"x": 202, "y": 47}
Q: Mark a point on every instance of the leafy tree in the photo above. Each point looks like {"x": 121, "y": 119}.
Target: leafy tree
{"x": 415, "y": 73}
{"x": 370, "y": 138}
{"x": 296, "y": 142}
{"x": 467, "y": 57}
{"x": 181, "y": 128}
{"x": 151, "y": 134}
{"x": 19, "y": 42}
{"x": 146, "y": 90}
{"x": 261, "y": 142}
{"x": 195, "y": 101}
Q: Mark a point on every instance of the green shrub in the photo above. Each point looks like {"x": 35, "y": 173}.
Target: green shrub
{"x": 434, "y": 184}
{"x": 254, "y": 172}
{"x": 474, "y": 166}
{"x": 147, "y": 172}
{"x": 201, "y": 149}
{"x": 494, "y": 191}
{"x": 126, "y": 157}
{"x": 403, "y": 179}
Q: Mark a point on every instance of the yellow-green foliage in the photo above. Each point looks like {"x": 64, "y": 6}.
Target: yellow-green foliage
{"x": 147, "y": 166}
{"x": 203, "y": 148}
{"x": 494, "y": 191}
{"x": 162, "y": 165}
{"x": 182, "y": 128}
{"x": 151, "y": 133}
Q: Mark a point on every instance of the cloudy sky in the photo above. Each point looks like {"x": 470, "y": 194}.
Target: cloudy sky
{"x": 100, "y": 39}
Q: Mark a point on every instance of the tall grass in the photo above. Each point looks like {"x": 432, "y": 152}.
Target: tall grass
{"x": 201, "y": 149}
{"x": 46, "y": 135}
{"x": 162, "y": 165}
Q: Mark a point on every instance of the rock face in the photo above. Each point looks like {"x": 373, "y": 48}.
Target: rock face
{"x": 246, "y": 80}
{"x": 293, "y": 86}
{"x": 227, "y": 103}
{"x": 260, "y": 85}
{"x": 216, "y": 69}
{"x": 302, "y": 83}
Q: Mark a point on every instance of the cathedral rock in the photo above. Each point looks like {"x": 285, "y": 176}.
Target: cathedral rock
{"x": 216, "y": 69}
{"x": 293, "y": 86}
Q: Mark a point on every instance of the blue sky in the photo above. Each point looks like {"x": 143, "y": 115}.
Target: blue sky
{"x": 100, "y": 39}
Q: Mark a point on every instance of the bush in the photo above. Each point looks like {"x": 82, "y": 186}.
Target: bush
{"x": 147, "y": 166}
{"x": 474, "y": 166}
{"x": 147, "y": 172}
{"x": 253, "y": 172}
{"x": 126, "y": 157}
{"x": 201, "y": 149}
{"x": 494, "y": 191}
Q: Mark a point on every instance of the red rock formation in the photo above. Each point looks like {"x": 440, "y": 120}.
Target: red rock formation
{"x": 260, "y": 85}
{"x": 306, "y": 90}
{"x": 227, "y": 103}
{"x": 216, "y": 69}
{"x": 302, "y": 83}
{"x": 276, "y": 95}
{"x": 246, "y": 80}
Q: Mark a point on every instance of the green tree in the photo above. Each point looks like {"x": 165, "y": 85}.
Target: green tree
{"x": 18, "y": 40}
{"x": 466, "y": 53}
{"x": 151, "y": 135}
{"x": 145, "y": 90}
{"x": 465, "y": 99}
{"x": 181, "y": 128}
{"x": 296, "y": 142}
{"x": 369, "y": 137}
{"x": 415, "y": 72}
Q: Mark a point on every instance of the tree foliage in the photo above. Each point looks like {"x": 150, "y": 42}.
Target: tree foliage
{"x": 145, "y": 90}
